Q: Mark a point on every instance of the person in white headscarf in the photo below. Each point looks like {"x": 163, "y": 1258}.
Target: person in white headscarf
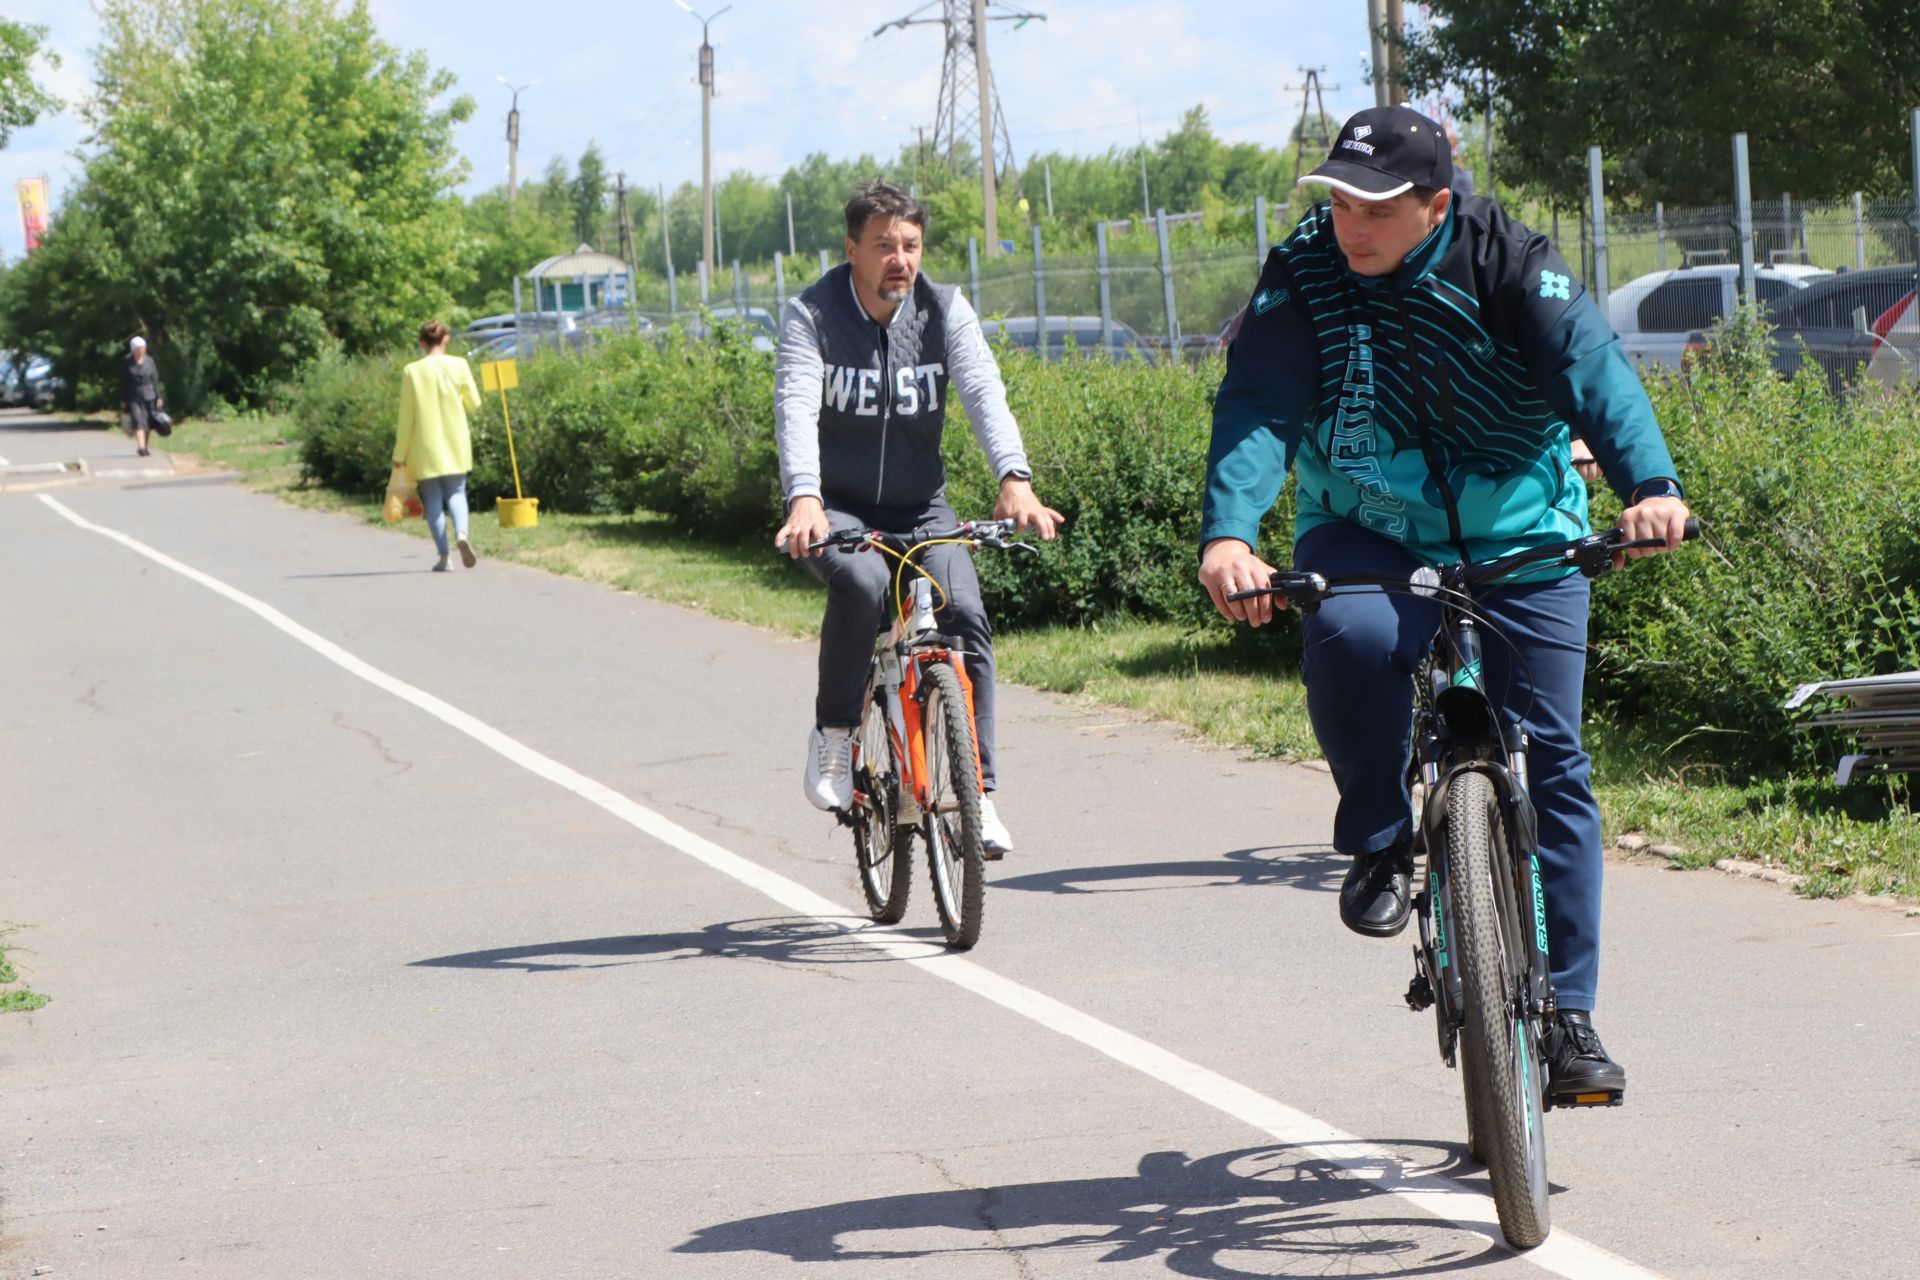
{"x": 140, "y": 398}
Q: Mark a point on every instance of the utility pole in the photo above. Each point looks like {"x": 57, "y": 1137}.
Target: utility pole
{"x": 965, "y": 69}
{"x": 791, "y": 251}
{"x": 1396, "y": 52}
{"x": 1376, "y": 31}
{"x": 666, "y": 251}
{"x": 513, "y": 136}
{"x": 987, "y": 153}
{"x": 625, "y": 217}
{"x": 706, "y": 130}
{"x": 1313, "y": 106}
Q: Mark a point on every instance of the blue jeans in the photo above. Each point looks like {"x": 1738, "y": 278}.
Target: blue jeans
{"x": 1361, "y": 651}
{"x": 443, "y": 496}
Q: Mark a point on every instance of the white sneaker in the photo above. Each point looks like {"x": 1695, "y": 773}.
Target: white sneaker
{"x": 994, "y": 840}
{"x": 830, "y": 768}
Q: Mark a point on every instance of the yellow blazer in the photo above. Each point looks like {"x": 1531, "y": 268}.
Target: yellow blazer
{"x": 435, "y": 394}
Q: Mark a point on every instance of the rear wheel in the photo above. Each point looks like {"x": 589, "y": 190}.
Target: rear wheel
{"x": 952, "y": 825}
{"x": 883, "y": 852}
{"x": 1500, "y": 1057}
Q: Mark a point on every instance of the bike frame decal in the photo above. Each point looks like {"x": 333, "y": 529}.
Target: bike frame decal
{"x": 1468, "y": 676}
{"x": 1439, "y": 919}
{"x": 1539, "y": 906}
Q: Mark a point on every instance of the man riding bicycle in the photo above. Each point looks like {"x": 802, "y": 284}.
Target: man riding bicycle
{"x": 1422, "y": 361}
{"x": 860, "y": 394}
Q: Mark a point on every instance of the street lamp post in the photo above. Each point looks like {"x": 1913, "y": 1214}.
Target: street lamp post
{"x": 513, "y": 136}
{"x": 706, "y": 129}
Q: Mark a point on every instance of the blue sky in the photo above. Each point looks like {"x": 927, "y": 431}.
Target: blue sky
{"x": 796, "y": 76}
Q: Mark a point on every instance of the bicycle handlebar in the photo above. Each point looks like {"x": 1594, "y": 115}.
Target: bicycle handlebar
{"x": 1592, "y": 555}
{"x": 994, "y": 534}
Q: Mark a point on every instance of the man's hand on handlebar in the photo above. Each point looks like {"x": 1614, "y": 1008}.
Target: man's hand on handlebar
{"x": 1228, "y": 565}
{"x": 806, "y": 524}
{"x": 1663, "y": 517}
{"x": 1019, "y": 504}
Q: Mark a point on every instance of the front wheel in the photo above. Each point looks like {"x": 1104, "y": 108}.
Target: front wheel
{"x": 1500, "y": 1058}
{"x": 952, "y": 825}
{"x": 884, "y": 853}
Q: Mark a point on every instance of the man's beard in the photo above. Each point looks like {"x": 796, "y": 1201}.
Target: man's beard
{"x": 898, "y": 294}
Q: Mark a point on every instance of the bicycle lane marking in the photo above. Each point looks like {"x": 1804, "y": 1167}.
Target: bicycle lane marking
{"x": 1449, "y": 1202}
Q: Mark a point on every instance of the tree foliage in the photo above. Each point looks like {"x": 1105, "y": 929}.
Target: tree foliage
{"x": 1822, "y": 88}
{"x": 22, "y": 100}
{"x": 267, "y": 181}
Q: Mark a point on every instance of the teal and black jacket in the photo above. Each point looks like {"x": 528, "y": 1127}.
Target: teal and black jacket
{"x": 1435, "y": 406}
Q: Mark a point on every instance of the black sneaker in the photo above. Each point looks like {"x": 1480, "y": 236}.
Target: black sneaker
{"x": 1377, "y": 896}
{"x": 1579, "y": 1072}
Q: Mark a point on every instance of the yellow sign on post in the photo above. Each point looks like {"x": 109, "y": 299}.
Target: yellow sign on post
{"x": 500, "y": 375}
{"x": 519, "y": 511}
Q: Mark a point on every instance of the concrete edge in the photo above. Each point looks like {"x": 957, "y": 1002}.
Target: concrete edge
{"x": 1635, "y": 842}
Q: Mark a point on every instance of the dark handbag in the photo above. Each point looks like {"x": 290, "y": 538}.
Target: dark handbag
{"x": 162, "y": 423}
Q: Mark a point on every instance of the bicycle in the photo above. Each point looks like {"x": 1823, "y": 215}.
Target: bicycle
{"x": 916, "y": 760}
{"x": 1480, "y": 961}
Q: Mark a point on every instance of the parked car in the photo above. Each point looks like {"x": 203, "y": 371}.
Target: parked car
{"x": 1833, "y": 322}
{"x": 43, "y": 385}
{"x": 1084, "y": 331}
{"x": 1896, "y": 349}
{"x": 764, "y": 329}
{"x": 1656, "y": 314}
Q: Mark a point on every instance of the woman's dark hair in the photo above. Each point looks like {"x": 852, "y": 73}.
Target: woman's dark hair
{"x": 882, "y": 200}
{"x": 433, "y": 333}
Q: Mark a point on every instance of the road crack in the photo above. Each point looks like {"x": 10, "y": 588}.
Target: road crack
{"x": 379, "y": 744}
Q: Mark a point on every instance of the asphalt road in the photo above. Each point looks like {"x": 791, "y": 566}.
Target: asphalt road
{"x": 474, "y": 925}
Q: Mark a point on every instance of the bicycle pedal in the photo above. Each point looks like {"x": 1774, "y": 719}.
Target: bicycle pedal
{"x": 1593, "y": 1098}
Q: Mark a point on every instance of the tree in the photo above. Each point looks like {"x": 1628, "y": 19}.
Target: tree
{"x": 22, "y": 100}
{"x": 589, "y": 196}
{"x": 269, "y": 181}
{"x": 1821, "y": 87}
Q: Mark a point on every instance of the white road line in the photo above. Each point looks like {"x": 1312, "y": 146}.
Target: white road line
{"x": 1449, "y": 1201}
{"x": 4, "y": 462}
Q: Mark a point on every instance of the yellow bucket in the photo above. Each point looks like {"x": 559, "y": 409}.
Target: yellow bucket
{"x": 518, "y": 513}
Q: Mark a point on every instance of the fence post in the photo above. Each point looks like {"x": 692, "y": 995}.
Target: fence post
{"x": 1914, "y": 131}
{"x": 673, "y": 292}
{"x": 1743, "y": 212}
{"x": 1660, "y": 231}
{"x": 1859, "y": 233}
{"x": 1259, "y": 233}
{"x": 973, "y": 272}
{"x": 779, "y": 286}
{"x": 1597, "y": 192}
{"x": 825, "y": 266}
{"x": 739, "y": 297}
{"x": 1786, "y": 221}
{"x": 1106, "y": 293}
{"x": 1040, "y": 299}
{"x": 703, "y": 282}
{"x": 1166, "y": 285}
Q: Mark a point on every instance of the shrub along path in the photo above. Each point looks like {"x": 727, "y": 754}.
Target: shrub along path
{"x": 1667, "y": 648}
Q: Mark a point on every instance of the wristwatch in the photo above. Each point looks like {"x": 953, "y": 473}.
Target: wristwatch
{"x": 1660, "y": 488}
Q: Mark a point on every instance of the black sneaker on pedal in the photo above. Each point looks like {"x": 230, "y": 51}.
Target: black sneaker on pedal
{"x": 1579, "y": 1072}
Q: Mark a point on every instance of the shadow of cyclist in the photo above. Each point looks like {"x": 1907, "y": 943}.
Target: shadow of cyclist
{"x": 780, "y": 939}
{"x": 1299, "y": 866}
{"x": 1263, "y": 1211}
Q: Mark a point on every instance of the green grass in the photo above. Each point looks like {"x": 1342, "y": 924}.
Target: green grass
{"x": 1859, "y": 839}
{"x": 17, "y": 996}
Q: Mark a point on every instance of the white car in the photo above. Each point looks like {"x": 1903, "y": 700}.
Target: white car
{"x": 1654, "y": 314}
{"x": 1896, "y": 346}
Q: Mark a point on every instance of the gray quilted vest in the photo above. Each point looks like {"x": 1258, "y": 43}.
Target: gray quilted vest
{"x": 883, "y": 394}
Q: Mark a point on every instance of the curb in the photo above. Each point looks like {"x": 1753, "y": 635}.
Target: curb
{"x": 1634, "y": 842}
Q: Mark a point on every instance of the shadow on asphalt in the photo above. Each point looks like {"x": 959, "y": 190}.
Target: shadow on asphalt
{"x": 361, "y": 573}
{"x": 1262, "y": 1211}
{"x": 783, "y": 939}
{"x": 1297, "y": 866}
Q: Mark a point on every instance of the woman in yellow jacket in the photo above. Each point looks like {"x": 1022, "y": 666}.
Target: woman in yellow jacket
{"x": 434, "y": 445}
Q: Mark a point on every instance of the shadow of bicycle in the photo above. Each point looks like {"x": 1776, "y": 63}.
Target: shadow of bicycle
{"x": 780, "y": 940}
{"x": 1300, "y": 866}
{"x": 1263, "y": 1211}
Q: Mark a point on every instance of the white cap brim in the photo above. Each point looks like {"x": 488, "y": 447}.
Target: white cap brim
{"x": 1354, "y": 191}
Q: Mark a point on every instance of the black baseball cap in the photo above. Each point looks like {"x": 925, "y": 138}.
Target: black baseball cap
{"x": 1384, "y": 151}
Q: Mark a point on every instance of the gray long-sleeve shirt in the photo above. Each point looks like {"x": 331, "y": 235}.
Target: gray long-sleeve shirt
{"x": 806, "y": 381}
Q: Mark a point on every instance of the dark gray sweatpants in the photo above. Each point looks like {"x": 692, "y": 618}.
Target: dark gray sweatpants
{"x": 859, "y": 601}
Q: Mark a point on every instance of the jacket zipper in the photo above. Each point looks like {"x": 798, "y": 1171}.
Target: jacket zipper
{"x": 886, "y": 413}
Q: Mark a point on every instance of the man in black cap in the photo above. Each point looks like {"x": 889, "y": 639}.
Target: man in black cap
{"x": 1423, "y": 361}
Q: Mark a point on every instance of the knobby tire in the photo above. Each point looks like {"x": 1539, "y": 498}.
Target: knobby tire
{"x": 956, "y": 858}
{"x": 1499, "y": 1051}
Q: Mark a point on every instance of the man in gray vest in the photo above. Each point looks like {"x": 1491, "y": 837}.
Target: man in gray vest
{"x": 860, "y": 395}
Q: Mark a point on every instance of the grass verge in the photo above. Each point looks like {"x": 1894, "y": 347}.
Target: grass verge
{"x": 1858, "y": 839}
{"x": 15, "y": 995}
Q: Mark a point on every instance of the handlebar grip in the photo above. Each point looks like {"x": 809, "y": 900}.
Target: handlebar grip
{"x": 1693, "y": 529}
